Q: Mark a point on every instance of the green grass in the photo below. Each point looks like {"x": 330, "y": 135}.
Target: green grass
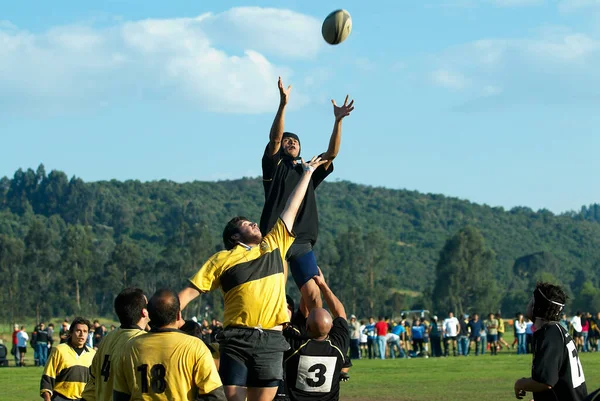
{"x": 434, "y": 379}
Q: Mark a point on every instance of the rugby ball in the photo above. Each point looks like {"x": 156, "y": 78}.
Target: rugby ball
{"x": 337, "y": 27}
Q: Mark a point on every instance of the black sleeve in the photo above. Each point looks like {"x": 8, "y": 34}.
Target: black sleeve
{"x": 548, "y": 356}
{"x": 299, "y": 322}
{"x": 47, "y": 383}
{"x": 339, "y": 334}
{"x": 320, "y": 174}
{"x": 269, "y": 162}
{"x": 217, "y": 394}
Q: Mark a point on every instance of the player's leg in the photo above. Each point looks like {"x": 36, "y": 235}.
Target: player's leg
{"x": 303, "y": 265}
{"x": 236, "y": 393}
{"x": 233, "y": 358}
{"x": 265, "y": 369}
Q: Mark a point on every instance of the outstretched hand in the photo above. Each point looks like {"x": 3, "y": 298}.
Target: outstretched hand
{"x": 313, "y": 164}
{"x": 343, "y": 111}
{"x": 283, "y": 93}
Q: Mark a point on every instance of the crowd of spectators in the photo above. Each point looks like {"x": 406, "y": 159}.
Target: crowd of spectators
{"x": 428, "y": 336}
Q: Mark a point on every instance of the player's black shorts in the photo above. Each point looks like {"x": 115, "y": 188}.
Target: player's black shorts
{"x": 303, "y": 263}
{"x": 23, "y": 350}
{"x": 449, "y": 338}
{"x": 577, "y": 334}
{"x": 500, "y": 334}
{"x": 251, "y": 357}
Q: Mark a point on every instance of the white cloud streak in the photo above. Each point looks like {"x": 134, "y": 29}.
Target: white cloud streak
{"x": 217, "y": 62}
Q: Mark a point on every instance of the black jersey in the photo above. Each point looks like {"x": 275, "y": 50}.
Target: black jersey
{"x": 280, "y": 177}
{"x": 595, "y": 396}
{"x": 556, "y": 363}
{"x": 313, "y": 370}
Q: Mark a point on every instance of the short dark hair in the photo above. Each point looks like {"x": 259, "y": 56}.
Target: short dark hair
{"x": 232, "y": 228}
{"x": 129, "y": 304}
{"x": 192, "y": 328}
{"x": 548, "y": 301}
{"x": 163, "y": 308}
{"x": 79, "y": 320}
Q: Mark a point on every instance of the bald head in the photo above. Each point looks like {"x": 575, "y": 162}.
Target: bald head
{"x": 319, "y": 323}
{"x": 163, "y": 308}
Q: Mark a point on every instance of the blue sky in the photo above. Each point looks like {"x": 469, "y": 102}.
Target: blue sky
{"x": 494, "y": 101}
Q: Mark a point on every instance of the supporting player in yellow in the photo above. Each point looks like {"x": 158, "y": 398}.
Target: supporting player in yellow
{"x": 67, "y": 369}
{"x": 130, "y": 307}
{"x": 166, "y": 364}
{"x": 252, "y": 275}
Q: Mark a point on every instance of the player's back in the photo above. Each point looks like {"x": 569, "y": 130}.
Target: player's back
{"x": 108, "y": 355}
{"x": 167, "y": 364}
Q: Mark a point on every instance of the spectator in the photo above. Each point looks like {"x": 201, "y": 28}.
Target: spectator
{"x": 463, "y": 336}
{"x": 363, "y": 340}
{"x": 451, "y": 329}
{"x": 577, "y": 331}
{"x": 381, "y": 328}
{"x": 395, "y": 341}
{"x": 98, "y": 334}
{"x": 371, "y": 338}
{"x": 491, "y": 325}
{"x": 476, "y": 327}
{"x": 501, "y": 341}
{"x": 42, "y": 343}
{"x": 33, "y": 342}
{"x": 15, "y": 347}
{"x": 354, "y": 328}
{"x": 206, "y": 331}
{"x": 435, "y": 337}
{"x": 585, "y": 328}
{"x": 22, "y": 339}
{"x": 51, "y": 333}
{"x": 529, "y": 335}
{"x": 64, "y": 332}
{"x": 564, "y": 322}
{"x": 418, "y": 336}
{"x": 521, "y": 333}
{"x": 594, "y": 331}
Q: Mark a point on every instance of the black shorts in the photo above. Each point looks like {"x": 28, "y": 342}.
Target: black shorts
{"x": 500, "y": 334}
{"x": 251, "y": 357}
{"x": 451, "y": 338}
{"x": 23, "y": 350}
{"x": 577, "y": 334}
{"x": 303, "y": 263}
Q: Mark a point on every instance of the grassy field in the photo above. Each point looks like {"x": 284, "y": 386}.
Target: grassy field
{"x": 433, "y": 379}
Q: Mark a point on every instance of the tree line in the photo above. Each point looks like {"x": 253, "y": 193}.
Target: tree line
{"x": 67, "y": 246}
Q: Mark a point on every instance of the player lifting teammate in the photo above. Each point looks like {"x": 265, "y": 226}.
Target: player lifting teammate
{"x": 281, "y": 173}
{"x": 556, "y": 373}
{"x": 251, "y": 273}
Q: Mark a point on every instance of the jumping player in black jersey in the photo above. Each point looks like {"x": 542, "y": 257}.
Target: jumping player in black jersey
{"x": 314, "y": 369}
{"x": 281, "y": 172}
{"x": 556, "y": 373}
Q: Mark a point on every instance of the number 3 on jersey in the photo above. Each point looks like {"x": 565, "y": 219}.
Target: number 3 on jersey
{"x": 315, "y": 373}
{"x": 576, "y": 370}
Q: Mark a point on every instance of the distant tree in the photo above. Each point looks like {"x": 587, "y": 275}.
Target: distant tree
{"x": 464, "y": 275}
{"x": 11, "y": 258}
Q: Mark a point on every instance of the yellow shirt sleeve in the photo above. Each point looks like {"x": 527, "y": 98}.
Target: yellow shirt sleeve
{"x": 89, "y": 392}
{"x": 207, "y": 278}
{"x": 206, "y": 374}
{"x": 49, "y": 375}
{"x": 279, "y": 237}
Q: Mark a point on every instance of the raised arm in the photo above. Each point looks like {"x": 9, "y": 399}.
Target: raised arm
{"x": 336, "y": 135}
{"x": 295, "y": 200}
{"x": 333, "y": 303}
{"x": 187, "y": 295}
{"x": 278, "y": 124}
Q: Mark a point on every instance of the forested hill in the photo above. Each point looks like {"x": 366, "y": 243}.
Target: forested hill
{"x": 67, "y": 246}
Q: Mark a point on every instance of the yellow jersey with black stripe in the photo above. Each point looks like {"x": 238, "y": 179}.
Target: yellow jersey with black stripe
{"x": 166, "y": 364}
{"x": 252, "y": 280}
{"x": 66, "y": 371}
{"x": 100, "y": 385}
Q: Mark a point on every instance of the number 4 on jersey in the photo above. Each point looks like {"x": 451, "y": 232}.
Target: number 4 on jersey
{"x": 105, "y": 371}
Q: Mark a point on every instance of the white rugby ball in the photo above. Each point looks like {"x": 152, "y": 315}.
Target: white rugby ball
{"x": 337, "y": 27}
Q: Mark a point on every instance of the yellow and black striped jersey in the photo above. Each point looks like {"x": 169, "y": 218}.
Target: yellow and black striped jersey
{"x": 67, "y": 371}
{"x": 166, "y": 364}
{"x": 100, "y": 385}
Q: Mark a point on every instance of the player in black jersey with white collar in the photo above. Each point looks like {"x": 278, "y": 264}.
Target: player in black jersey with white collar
{"x": 556, "y": 373}
{"x": 313, "y": 370}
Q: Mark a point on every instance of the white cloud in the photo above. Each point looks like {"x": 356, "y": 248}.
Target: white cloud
{"x": 449, "y": 79}
{"x": 572, "y": 5}
{"x": 219, "y": 62}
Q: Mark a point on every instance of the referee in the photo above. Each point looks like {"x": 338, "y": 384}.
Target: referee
{"x": 314, "y": 370}
{"x": 251, "y": 272}
{"x": 556, "y": 373}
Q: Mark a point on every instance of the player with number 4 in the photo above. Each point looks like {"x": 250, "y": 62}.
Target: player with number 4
{"x": 556, "y": 372}
{"x": 313, "y": 370}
